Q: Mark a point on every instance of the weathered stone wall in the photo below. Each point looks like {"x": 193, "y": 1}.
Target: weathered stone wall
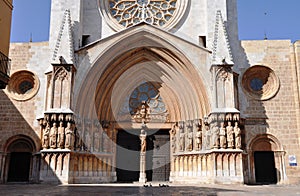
{"x": 278, "y": 115}
{"x": 20, "y": 116}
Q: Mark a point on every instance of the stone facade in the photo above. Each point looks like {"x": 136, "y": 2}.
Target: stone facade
{"x": 175, "y": 98}
{"x": 5, "y": 26}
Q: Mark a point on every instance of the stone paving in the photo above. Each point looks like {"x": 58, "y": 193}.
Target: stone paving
{"x": 156, "y": 189}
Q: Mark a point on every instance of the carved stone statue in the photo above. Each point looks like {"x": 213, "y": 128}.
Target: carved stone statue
{"x": 69, "y": 137}
{"x": 87, "y": 140}
{"x": 181, "y": 138}
{"x": 173, "y": 138}
{"x": 198, "y": 136}
{"x": 104, "y": 142}
{"x": 46, "y": 136}
{"x": 61, "y": 136}
{"x": 78, "y": 141}
{"x": 222, "y": 136}
{"x": 143, "y": 138}
{"x": 96, "y": 141}
{"x": 190, "y": 136}
{"x": 215, "y": 131}
{"x": 207, "y": 136}
{"x": 237, "y": 133}
{"x": 230, "y": 135}
{"x": 143, "y": 111}
{"x": 53, "y": 136}
{"x": 143, "y": 144}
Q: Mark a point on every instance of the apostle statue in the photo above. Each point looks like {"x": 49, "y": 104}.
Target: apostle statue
{"x": 69, "y": 136}
{"x": 61, "y": 136}
{"x": 46, "y": 136}
{"x": 237, "y": 133}
{"x": 173, "y": 138}
{"x": 230, "y": 135}
{"x": 222, "y": 136}
{"x": 215, "y": 131}
{"x": 198, "y": 136}
{"x": 53, "y": 136}
{"x": 190, "y": 136}
{"x": 207, "y": 136}
{"x": 181, "y": 138}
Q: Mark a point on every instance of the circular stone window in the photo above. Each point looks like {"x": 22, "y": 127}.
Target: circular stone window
{"x": 122, "y": 14}
{"x": 260, "y": 82}
{"x": 23, "y": 85}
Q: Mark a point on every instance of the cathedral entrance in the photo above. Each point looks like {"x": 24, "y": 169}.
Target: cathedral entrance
{"x": 20, "y": 160}
{"x": 19, "y": 167}
{"x": 128, "y": 156}
{"x": 157, "y": 155}
{"x": 265, "y": 171}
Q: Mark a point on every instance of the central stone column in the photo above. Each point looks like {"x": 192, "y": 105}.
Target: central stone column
{"x": 143, "y": 136}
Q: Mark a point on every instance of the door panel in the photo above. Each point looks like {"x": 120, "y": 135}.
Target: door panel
{"x": 265, "y": 171}
{"x": 19, "y": 167}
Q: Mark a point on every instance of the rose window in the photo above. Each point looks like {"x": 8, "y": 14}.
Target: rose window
{"x": 130, "y": 12}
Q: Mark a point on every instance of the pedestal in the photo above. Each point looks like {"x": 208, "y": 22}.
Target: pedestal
{"x": 143, "y": 178}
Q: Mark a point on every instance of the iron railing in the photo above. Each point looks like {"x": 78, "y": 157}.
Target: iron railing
{"x": 4, "y": 64}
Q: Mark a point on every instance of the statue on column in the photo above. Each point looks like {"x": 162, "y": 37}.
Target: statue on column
{"x": 198, "y": 135}
{"x": 69, "y": 137}
{"x": 96, "y": 142}
{"x": 87, "y": 140}
{"x": 77, "y": 135}
{"x": 105, "y": 138}
{"x": 173, "y": 138}
{"x": 230, "y": 135}
{"x": 190, "y": 136}
{"x": 143, "y": 143}
{"x": 46, "y": 136}
{"x": 222, "y": 136}
{"x": 237, "y": 133}
{"x": 53, "y": 136}
{"x": 215, "y": 131}
{"x": 181, "y": 137}
{"x": 61, "y": 136}
{"x": 207, "y": 136}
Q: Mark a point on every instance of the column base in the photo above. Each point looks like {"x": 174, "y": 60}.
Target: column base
{"x": 142, "y": 178}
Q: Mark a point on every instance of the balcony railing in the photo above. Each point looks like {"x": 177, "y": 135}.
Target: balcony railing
{"x": 4, "y": 70}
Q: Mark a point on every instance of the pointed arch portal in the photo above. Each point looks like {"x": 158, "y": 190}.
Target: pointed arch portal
{"x": 141, "y": 67}
{"x": 176, "y": 81}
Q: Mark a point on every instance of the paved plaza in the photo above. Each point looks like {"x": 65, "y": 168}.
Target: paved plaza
{"x": 155, "y": 189}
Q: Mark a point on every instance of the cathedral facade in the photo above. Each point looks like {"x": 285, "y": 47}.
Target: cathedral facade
{"x": 150, "y": 90}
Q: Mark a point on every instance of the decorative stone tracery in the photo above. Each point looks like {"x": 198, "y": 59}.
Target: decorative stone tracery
{"x": 126, "y": 13}
{"x": 129, "y": 12}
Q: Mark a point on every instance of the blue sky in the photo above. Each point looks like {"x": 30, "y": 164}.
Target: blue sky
{"x": 278, "y": 19}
